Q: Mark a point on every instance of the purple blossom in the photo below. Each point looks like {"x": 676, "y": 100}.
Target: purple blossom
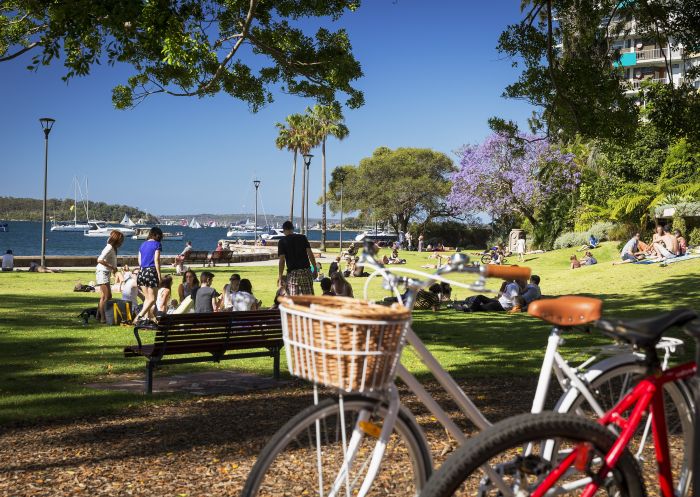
{"x": 498, "y": 177}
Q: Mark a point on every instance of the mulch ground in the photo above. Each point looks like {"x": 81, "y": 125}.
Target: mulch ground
{"x": 199, "y": 446}
{"x": 193, "y": 447}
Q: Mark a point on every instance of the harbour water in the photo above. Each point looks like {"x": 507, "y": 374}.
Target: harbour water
{"x": 24, "y": 238}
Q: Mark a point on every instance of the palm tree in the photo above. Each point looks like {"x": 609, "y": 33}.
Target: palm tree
{"x": 326, "y": 120}
{"x": 290, "y": 138}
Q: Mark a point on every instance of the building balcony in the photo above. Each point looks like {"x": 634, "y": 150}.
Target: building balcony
{"x": 648, "y": 56}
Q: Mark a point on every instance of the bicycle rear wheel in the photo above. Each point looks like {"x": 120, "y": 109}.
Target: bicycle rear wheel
{"x": 611, "y": 385}
{"x": 486, "y": 258}
{"x": 291, "y": 464}
{"x": 515, "y": 448}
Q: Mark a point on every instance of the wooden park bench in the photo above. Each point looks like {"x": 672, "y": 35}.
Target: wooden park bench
{"x": 221, "y": 256}
{"x": 206, "y": 337}
{"x": 196, "y": 256}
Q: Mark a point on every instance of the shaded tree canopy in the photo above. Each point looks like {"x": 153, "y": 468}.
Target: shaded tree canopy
{"x": 569, "y": 67}
{"x": 190, "y": 48}
{"x": 396, "y": 186}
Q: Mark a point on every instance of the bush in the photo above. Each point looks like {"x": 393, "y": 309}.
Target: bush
{"x": 579, "y": 238}
{"x": 620, "y": 233}
{"x": 694, "y": 237}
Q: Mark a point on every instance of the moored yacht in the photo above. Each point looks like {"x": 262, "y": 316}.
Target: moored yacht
{"x": 102, "y": 229}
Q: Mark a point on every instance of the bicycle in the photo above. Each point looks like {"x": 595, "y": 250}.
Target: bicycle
{"x": 353, "y": 434}
{"x": 554, "y": 453}
{"x": 488, "y": 255}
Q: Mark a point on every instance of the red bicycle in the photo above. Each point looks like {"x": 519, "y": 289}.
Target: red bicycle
{"x": 554, "y": 454}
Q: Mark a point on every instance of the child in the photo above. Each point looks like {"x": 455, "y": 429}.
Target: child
{"x": 575, "y": 263}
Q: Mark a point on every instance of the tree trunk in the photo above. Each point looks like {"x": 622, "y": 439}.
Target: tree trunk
{"x": 294, "y": 178}
{"x": 303, "y": 197}
{"x": 323, "y": 195}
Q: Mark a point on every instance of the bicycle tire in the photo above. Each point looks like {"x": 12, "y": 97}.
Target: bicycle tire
{"x": 486, "y": 259}
{"x": 304, "y": 423}
{"x": 679, "y": 415}
{"x": 514, "y": 433}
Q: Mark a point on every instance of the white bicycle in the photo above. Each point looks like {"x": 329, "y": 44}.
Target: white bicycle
{"x": 364, "y": 442}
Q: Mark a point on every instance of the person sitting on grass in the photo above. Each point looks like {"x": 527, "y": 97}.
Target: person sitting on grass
{"x": 244, "y": 299}
{"x": 592, "y": 243}
{"x": 575, "y": 263}
{"x": 395, "y": 259}
{"x": 281, "y": 292}
{"x": 510, "y": 291}
{"x": 164, "y": 303}
{"x": 327, "y": 287}
{"x": 340, "y": 286}
{"x": 682, "y": 243}
{"x": 189, "y": 285}
{"x": 358, "y": 269}
{"x": 129, "y": 289}
{"x": 630, "y": 250}
{"x": 588, "y": 260}
{"x": 334, "y": 267}
{"x": 532, "y": 291}
{"x": 667, "y": 245}
{"x": 428, "y": 299}
{"x": 229, "y": 293}
{"x": 205, "y": 297}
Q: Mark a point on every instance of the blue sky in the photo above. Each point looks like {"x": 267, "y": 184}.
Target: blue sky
{"x": 432, "y": 79}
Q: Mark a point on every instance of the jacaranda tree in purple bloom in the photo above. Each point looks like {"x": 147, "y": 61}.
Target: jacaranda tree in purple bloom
{"x": 504, "y": 177}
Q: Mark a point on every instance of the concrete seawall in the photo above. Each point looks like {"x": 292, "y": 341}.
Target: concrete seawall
{"x": 91, "y": 261}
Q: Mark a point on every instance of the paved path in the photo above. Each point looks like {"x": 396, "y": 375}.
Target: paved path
{"x": 206, "y": 383}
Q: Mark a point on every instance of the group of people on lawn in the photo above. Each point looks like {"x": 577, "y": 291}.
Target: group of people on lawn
{"x": 664, "y": 245}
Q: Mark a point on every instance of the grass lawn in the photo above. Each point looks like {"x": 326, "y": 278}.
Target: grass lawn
{"x": 47, "y": 356}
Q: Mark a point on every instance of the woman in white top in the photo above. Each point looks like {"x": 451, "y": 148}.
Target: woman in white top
{"x": 244, "y": 299}
{"x": 229, "y": 294}
{"x": 163, "y": 295}
{"x": 106, "y": 265}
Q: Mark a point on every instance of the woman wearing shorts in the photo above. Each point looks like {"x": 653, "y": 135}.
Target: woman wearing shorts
{"x": 149, "y": 276}
{"x": 106, "y": 265}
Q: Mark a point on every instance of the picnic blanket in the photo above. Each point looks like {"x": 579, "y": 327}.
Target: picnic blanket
{"x": 669, "y": 261}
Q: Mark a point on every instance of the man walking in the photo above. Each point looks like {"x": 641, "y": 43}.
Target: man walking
{"x": 295, "y": 252}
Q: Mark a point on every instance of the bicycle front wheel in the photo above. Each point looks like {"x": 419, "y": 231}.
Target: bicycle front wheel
{"x": 516, "y": 450}
{"x": 486, "y": 258}
{"x": 306, "y": 456}
{"x": 610, "y": 386}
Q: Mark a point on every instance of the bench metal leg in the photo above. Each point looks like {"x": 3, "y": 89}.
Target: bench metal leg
{"x": 149, "y": 378}
{"x": 276, "y": 363}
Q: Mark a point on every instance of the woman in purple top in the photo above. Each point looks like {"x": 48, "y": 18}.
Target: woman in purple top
{"x": 149, "y": 276}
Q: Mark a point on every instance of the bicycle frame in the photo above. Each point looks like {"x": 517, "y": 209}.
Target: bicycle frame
{"x": 646, "y": 394}
{"x": 553, "y": 363}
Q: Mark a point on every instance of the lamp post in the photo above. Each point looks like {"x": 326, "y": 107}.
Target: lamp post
{"x": 307, "y": 163}
{"x": 341, "y": 178}
{"x": 256, "y": 183}
{"x": 46, "y": 125}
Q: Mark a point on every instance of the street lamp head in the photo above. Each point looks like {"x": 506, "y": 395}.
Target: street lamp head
{"x": 256, "y": 183}
{"x": 47, "y": 124}
{"x": 307, "y": 159}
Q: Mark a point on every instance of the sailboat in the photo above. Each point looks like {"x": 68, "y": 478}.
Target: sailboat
{"x": 194, "y": 224}
{"x": 126, "y": 221}
{"x": 74, "y": 226}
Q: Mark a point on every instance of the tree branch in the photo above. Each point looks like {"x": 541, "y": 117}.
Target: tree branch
{"x": 20, "y": 52}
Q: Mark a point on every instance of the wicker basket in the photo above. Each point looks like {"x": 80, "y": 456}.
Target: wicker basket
{"x": 341, "y": 342}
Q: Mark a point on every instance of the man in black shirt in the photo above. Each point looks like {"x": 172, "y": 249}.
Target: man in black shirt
{"x": 295, "y": 252}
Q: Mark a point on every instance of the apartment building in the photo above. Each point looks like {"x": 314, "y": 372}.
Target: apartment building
{"x": 645, "y": 60}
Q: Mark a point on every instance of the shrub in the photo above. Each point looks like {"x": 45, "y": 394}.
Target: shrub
{"x": 620, "y": 233}
{"x": 694, "y": 237}
{"x": 678, "y": 223}
{"x": 600, "y": 230}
